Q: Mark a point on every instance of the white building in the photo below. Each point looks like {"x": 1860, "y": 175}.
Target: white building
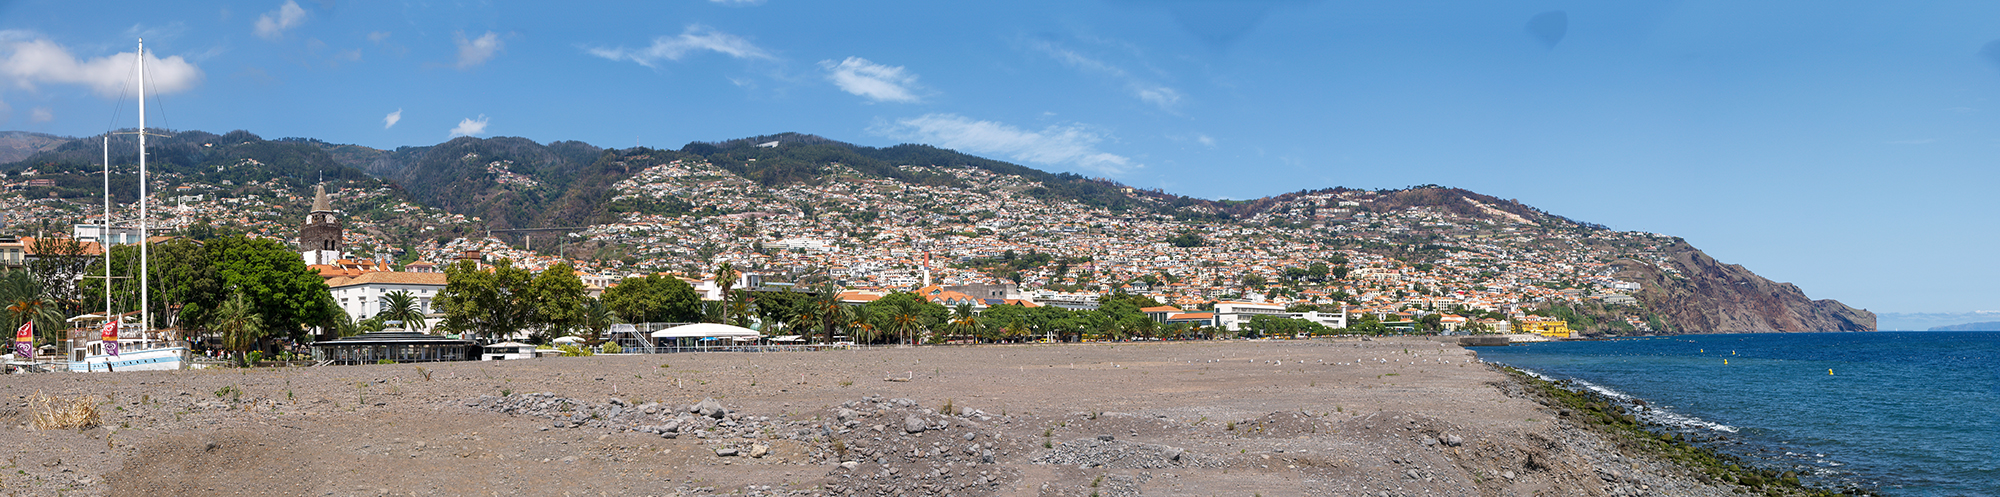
{"x": 1232, "y": 315}
{"x": 116, "y": 235}
{"x": 364, "y": 296}
{"x": 1334, "y": 320}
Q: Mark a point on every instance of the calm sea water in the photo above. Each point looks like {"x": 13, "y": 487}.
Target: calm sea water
{"x": 1904, "y": 413}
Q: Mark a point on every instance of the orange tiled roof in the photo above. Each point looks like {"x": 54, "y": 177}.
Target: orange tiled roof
{"x": 389, "y": 277}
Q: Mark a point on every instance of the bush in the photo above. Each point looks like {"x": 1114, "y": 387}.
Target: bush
{"x": 611, "y": 348}
{"x": 574, "y": 351}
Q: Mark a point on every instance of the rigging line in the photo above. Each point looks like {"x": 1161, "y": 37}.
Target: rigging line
{"x": 124, "y": 89}
{"x": 168, "y": 123}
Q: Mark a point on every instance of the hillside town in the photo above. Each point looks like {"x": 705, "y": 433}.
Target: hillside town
{"x": 1327, "y": 256}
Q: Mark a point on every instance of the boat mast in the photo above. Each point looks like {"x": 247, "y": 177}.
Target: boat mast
{"x": 145, "y": 310}
{"x": 104, "y": 230}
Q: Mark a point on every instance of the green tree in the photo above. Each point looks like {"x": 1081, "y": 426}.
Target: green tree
{"x": 59, "y": 263}
{"x": 22, "y": 295}
{"x": 275, "y": 282}
{"x": 558, "y": 301}
{"x": 964, "y": 322}
{"x": 597, "y": 320}
{"x": 725, "y": 278}
{"x": 653, "y": 299}
{"x": 240, "y": 325}
{"x": 400, "y": 306}
{"x": 485, "y": 303}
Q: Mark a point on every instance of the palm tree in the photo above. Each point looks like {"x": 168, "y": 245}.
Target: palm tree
{"x": 400, "y": 306}
{"x": 725, "y": 278}
{"x": 906, "y": 327}
{"x": 964, "y": 322}
{"x": 240, "y": 325}
{"x": 597, "y": 319}
{"x": 43, "y": 313}
{"x": 860, "y": 327}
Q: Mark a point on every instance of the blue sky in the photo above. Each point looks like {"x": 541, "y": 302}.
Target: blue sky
{"x": 1841, "y": 145}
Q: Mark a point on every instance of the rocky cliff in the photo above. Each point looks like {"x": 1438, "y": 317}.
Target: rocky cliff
{"x": 1708, "y": 296}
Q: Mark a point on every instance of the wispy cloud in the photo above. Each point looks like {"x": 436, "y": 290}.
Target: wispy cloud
{"x": 468, "y": 127}
{"x": 27, "y": 60}
{"x": 389, "y": 121}
{"x": 1158, "y": 95}
{"x": 695, "y": 38}
{"x": 1070, "y": 145}
{"x": 477, "y": 51}
{"x": 881, "y": 83}
{"x": 41, "y": 115}
{"x": 273, "y": 24}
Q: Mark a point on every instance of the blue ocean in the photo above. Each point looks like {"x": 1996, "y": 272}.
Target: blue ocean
{"x": 1901, "y": 413}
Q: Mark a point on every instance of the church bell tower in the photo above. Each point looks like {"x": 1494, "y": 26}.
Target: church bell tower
{"x": 320, "y": 240}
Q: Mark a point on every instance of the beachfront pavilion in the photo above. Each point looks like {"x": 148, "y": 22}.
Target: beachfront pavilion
{"x": 393, "y": 345}
{"x": 703, "y": 337}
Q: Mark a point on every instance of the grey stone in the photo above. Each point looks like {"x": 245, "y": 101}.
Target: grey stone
{"x": 726, "y": 452}
{"x": 710, "y": 408}
{"x": 913, "y": 424}
{"x": 1105, "y": 438}
{"x": 759, "y": 450}
{"x": 1454, "y": 440}
{"x": 970, "y": 435}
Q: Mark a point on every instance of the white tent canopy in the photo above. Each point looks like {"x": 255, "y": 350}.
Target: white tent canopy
{"x": 705, "y": 330}
{"x": 568, "y": 340}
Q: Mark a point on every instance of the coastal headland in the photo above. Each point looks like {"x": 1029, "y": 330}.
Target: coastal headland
{"x": 1401, "y": 416}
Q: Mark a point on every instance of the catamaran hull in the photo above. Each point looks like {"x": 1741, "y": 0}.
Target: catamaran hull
{"x": 167, "y": 359}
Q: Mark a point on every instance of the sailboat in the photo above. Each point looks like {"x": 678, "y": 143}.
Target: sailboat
{"x": 116, "y": 349}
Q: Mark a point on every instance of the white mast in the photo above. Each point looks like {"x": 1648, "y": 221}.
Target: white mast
{"x": 145, "y": 310}
{"x": 104, "y": 230}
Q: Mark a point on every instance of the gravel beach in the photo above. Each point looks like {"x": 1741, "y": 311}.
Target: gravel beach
{"x": 1383, "y": 417}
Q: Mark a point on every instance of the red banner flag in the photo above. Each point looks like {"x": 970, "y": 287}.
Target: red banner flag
{"x": 110, "y": 337}
{"x": 24, "y": 341}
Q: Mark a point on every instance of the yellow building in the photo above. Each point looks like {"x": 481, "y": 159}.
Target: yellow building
{"x": 1553, "y": 328}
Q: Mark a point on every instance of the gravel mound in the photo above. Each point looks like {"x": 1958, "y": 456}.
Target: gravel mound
{"x": 1118, "y": 454}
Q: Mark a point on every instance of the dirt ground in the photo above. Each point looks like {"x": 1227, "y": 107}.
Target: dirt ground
{"x": 1320, "y": 417}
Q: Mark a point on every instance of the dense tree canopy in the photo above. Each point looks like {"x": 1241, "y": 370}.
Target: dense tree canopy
{"x": 653, "y": 299}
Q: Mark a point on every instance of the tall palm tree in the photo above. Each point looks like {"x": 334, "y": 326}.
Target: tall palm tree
{"x": 240, "y": 325}
{"x": 400, "y": 306}
{"x": 725, "y": 278}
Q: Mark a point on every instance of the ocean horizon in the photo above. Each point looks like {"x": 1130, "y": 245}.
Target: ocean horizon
{"x": 1901, "y": 413}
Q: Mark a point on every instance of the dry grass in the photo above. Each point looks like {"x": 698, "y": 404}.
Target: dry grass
{"x": 50, "y": 413}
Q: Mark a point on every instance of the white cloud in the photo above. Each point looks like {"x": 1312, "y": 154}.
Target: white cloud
{"x": 1203, "y": 139}
{"x": 477, "y": 51}
{"x": 390, "y": 120}
{"x": 378, "y": 36}
{"x": 27, "y": 60}
{"x": 878, "y": 82}
{"x": 1071, "y": 145}
{"x": 1162, "y": 96}
{"x": 695, "y": 38}
{"x": 468, "y": 127}
{"x": 273, "y": 24}
{"x": 41, "y": 115}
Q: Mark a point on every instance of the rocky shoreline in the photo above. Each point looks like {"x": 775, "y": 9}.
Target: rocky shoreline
{"x": 1343, "y": 417}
